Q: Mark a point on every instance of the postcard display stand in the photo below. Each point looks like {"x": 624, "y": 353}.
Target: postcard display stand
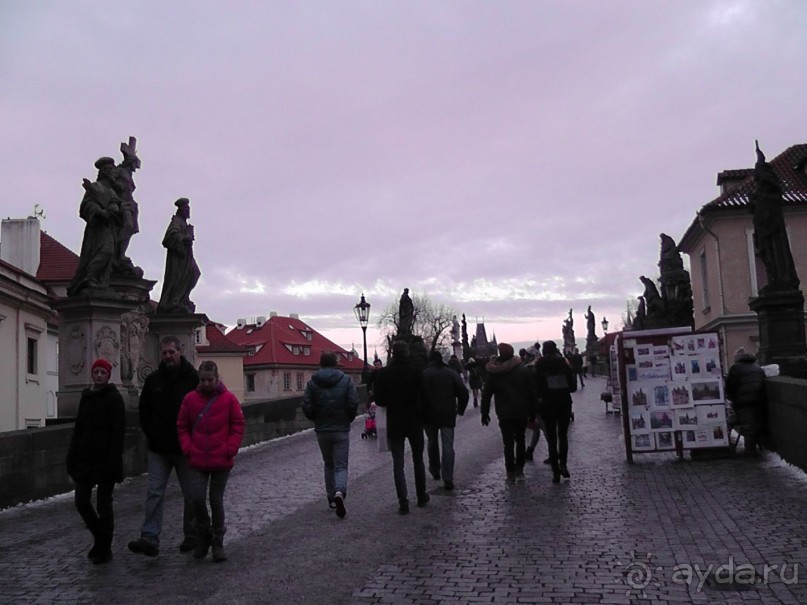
{"x": 673, "y": 397}
{"x": 615, "y": 405}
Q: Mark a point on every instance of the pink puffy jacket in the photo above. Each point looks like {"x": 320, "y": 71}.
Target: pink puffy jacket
{"x": 213, "y": 443}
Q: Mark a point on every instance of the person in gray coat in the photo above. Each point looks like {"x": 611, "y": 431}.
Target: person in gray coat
{"x": 447, "y": 396}
{"x": 331, "y": 401}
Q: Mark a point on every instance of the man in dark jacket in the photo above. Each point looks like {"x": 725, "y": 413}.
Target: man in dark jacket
{"x": 513, "y": 386}
{"x": 576, "y": 359}
{"x": 399, "y": 389}
{"x": 745, "y": 388}
{"x": 447, "y": 396}
{"x": 160, "y": 400}
{"x": 556, "y": 383}
{"x": 331, "y": 401}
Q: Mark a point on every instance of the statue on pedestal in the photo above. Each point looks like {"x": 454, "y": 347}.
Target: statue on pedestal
{"x": 101, "y": 210}
{"x": 676, "y": 286}
{"x": 181, "y": 271}
{"x": 652, "y": 299}
{"x": 770, "y": 235}
{"x": 406, "y": 315}
{"x": 129, "y": 225}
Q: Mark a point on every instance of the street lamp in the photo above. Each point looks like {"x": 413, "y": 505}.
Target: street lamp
{"x": 362, "y": 311}
{"x": 604, "y": 324}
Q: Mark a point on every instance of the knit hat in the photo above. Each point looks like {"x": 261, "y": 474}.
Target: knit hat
{"x": 102, "y": 363}
{"x": 506, "y": 351}
{"x": 400, "y": 349}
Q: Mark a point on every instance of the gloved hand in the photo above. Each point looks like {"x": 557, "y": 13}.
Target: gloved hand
{"x": 485, "y": 419}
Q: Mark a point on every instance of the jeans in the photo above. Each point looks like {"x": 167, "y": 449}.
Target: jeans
{"x": 396, "y": 446}
{"x": 100, "y": 522}
{"x": 198, "y": 494}
{"x": 335, "y": 447}
{"x": 444, "y": 467}
{"x": 159, "y": 469}
{"x": 556, "y": 429}
{"x": 513, "y": 435}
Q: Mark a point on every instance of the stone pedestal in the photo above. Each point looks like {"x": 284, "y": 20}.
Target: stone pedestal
{"x": 163, "y": 324}
{"x": 89, "y": 328}
{"x": 781, "y": 331}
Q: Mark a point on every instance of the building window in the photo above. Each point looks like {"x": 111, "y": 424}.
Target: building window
{"x": 306, "y": 350}
{"x": 704, "y": 279}
{"x": 32, "y": 365}
{"x": 299, "y": 381}
{"x": 287, "y": 381}
{"x": 250, "y": 383}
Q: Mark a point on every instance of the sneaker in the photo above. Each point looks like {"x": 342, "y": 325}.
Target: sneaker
{"x": 331, "y": 504}
{"x": 520, "y": 476}
{"x": 511, "y": 476}
{"x": 449, "y": 485}
{"x": 423, "y": 500}
{"x": 188, "y": 544}
{"x": 564, "y": 472}
{"x": 142, "y": 546}
{"x": 403, "y": 508}
{"x": 339, "y": 501}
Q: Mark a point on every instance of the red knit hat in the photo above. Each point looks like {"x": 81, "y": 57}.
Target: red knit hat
{"x": 102, "y": 363}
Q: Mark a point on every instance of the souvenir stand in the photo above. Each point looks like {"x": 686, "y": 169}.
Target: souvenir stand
{"x": 672, "y": 391}
{"x": 613, "y": 405}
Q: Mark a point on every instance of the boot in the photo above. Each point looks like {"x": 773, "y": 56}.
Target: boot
{"x": 205, "y": 538}
{"x": 218, "y": 545}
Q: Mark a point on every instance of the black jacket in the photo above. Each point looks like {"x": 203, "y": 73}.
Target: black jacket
{"x": 513, "y": 386}
{"x": 745, "y": 384}
{"x": 160, "y": 401}
{"x": 95, "y": 454}
{"x": 556, "y": 383}
{"x": 445, "y": 393}
{"x": 399, "y": 388}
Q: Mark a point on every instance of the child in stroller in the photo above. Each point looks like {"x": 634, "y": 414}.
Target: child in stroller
{"x": 369, "y": 422}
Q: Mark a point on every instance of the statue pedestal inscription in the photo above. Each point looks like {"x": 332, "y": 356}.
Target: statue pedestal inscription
{"x": 89, "y": 328}
{"x": 781, "y": 331}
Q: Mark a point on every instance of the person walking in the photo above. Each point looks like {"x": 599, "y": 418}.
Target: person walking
{"x": 513, "y": 386}
{"x": 447, "y": 397}
{"x": 474, "y": 378}
{"x": 210, "y": 426}
{"x": 556, "y": 383}
{"x": 745, "y": 388}
{"x": 399, "y": 389}
{"x": 576, "y": 360}
{"x": 95, "y": 457}
{"x": 332, "y": 402}
{"x": 160, "y": 401}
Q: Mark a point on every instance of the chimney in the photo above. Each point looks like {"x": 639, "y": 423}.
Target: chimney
{"x": 294, "y": 316}
{"x": 19, "y": 243}
{"x": 260, "y": 321}
{"x": 272, "y": 313}
{"x": 241, "y": 324}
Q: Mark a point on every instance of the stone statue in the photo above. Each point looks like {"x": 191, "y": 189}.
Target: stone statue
{"x": 129, "y": 225}
{"x": 590, "y": 319}
{"x": 455, "y": 330}
{"x": 676, "y": 286}
{"x": 101, "y": 210}
{"x": 181, "y": 270}
{"x": 770, "y": 236}
{"x": 406, "y": 315}
{"x": 568, "y": 333}
{"x": 652, "y": 299}
{"x": 466, "y": 347}
{"x": 641, "y": 314}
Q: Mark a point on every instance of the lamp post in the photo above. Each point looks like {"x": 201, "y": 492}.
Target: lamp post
{"x": 362, "y": 311}
{"x": 604, "y": 324}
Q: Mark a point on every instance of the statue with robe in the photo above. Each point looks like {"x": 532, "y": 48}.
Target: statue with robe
{"x": 181, "y": 271}
{"x": 590, "y": 319}
{"x": 125, "y": 185}
{"x": 406, "y": 315}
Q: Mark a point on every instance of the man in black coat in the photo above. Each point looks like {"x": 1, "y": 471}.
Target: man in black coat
{"x": 399, "y": 388}
{"x": 160, "y": 400}
{"x": 745, "y": 388}
{"x": 556, "y": 383}
{"x": 447, "y": 396}
{"x": 513, "y": 386}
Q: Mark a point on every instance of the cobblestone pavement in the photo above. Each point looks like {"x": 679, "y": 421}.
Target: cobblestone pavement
{"x": 646, "y": 532}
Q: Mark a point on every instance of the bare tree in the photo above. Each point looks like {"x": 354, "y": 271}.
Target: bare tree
{"x": 431, "y": 321}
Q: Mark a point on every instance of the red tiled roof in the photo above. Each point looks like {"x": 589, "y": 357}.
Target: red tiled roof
{"x": 56, "y": 262}
{"x": 219, "y": 343}
{"x": 271, "y": 338}
{"x": 788, "y": 166}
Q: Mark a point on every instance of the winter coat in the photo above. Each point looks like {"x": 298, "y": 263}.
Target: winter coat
{"x": 513, "y": 387}
{"x": 211, "y": 442}
{"x": 445, "y": 393}
{"x": 745, "y": 384}
{"x": 95, "y": 454}
{"x": 556, "y": 382}
{"x": 160, "y": 401}
{"x": 330, "y": 400}
{"x": 474, "y": 375}
{"x": 399, "y": 389}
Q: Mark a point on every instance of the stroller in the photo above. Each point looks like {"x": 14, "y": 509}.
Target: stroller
{"x": 369, "y": 423}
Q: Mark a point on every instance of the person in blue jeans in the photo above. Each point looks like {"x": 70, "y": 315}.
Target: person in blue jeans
{"x": 332, "y": 402}
{"x": 160, "y": 401}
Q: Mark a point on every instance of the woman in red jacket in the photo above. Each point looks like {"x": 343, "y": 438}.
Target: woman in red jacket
{"x": 210, "y": 427}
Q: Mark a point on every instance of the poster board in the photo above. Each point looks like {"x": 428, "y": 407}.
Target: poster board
{"x": 615, "y": 405}
{"x": 672, "y": 385}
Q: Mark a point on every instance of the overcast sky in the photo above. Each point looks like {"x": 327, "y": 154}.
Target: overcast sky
{"x": 511, "y": 159}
